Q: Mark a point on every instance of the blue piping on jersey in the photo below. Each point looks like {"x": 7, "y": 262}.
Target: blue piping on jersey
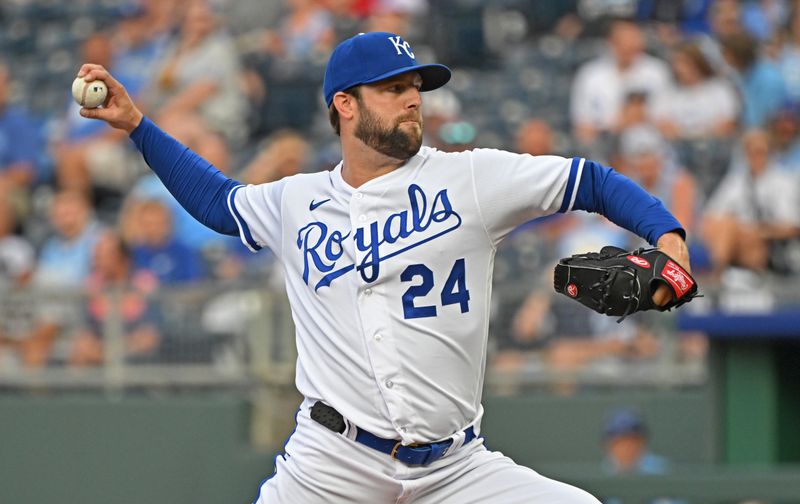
{"x": 240, "y": 222}
{"x": 569, "y": 192}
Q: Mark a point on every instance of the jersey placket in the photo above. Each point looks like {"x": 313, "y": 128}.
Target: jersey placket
{"x": 375, "y": 317}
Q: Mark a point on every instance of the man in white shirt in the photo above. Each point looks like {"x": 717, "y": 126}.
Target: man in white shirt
{"x": 601, "y": 85}
{"x": 752, "y": 209}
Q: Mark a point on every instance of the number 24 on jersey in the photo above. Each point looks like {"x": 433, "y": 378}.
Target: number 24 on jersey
{"x": 454, "y": 290}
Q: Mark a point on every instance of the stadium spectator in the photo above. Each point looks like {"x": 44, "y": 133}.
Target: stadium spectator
{"x": 635, "y": 111}
{"x": 65, "y": 258}
{"x": 163, "y": 16}
{"x": 117, "y": 304}
{"x": 725, "y": 18}
{"x": 574, "y": 339}
{"x": 285, "y": 153}
{"x": 346, "y": 19}
{"x": 19, "y": 145}
{"x": 457, "y": 136}
{"x": 626, "y": 439}
{"x": 701, "y": 104}
{"x": 17, "y": 256}
{"x": 759, "y": 80}
{"x": 201, "y": 74}
{"x": 570, "y": 338}
{"x": 306, "y": 30}
{"x": 695, "y": 17}
{"x": 789, "y": 55}
{"x": 16, "y": 266}
{"x": 396, "y": 16}
{"x": 626, "y": 442}
{"x": 30, "y": 329}
{"x": 139, "y": 46}
{"x": 762, "y": 18}
{"x": 62, "y": 267}
{"x": 282, "y": 75}
{"x": 753, "y": 212}
{"x": 535, "y": 137}
{"x": 90, "y": 157}
{"x": 155, "y": 249}
{"x": 192, "y": 131}
{"x": 598, "y": 11}
{"x": 626, "y": 68}
{"x": 442, "y": 106}
{"x": 784, "y": 131}
{"x": 647, "y": 158}
{"x": 289, "y": 84}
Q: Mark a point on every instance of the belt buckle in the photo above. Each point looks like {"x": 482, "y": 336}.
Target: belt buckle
{"x": 398, "y": 445}
{"x": 411, "y": 462}
{"x": 421, "y": 454}
{"x": 433, "y": 451}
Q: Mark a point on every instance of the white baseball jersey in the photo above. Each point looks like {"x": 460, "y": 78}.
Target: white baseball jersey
{"x": 390, "y": 282}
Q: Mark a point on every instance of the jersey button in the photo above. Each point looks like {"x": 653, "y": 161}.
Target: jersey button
{"x": 359, "y": 195}
{"x": 378, "y": 337}
{"x": 367, "y": 292}
{"x": 362, "y": 218}
{"x": 389, "y": 384}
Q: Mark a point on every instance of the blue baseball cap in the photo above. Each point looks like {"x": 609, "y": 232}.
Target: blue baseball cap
{"x": 624, "y": 421}
{"x": 372, "y": 57}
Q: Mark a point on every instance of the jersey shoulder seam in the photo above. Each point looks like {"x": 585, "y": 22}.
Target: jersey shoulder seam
{"x": 477, "y": 200}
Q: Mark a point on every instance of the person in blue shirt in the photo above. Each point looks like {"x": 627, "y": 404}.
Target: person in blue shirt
{"x": 760, "y": 81}
{"x": 784, "y": 129}
{"x": 158, "y": 251}
{"x": 89, "y": 156}
{"x": 116, "y": 293}
{"x": 63, "y": 266}
{"x": 65, "y": 258}
{"x": 627, "y": 439}
{"x": 19, "y": 141}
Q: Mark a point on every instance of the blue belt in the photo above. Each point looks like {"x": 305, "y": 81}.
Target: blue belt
{"x": 412, "y": 455}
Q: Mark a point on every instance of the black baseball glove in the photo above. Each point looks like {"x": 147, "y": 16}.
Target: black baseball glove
{"x": 617, "y": 282}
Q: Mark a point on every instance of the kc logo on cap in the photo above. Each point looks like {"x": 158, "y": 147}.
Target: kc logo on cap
{"x": 399, "y": 44}
{"x": 372, "y": 57}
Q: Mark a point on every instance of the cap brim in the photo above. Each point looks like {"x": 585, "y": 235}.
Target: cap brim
{"x": 433, "y": 76}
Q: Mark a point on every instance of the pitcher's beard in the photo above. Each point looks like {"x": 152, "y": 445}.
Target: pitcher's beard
{"x": 392, "y": 142}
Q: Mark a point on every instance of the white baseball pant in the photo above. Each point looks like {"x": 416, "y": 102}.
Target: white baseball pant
{"x": 322, "y": 467}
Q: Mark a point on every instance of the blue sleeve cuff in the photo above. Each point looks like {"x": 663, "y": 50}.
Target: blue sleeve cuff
{"x": 622, "y": 201}
{"x": 138, "y": 131}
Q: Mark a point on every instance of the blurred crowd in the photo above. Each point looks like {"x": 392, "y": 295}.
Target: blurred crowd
{"x": 697, "y": 100}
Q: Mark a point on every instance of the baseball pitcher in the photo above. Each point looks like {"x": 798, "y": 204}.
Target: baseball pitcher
{"x": 388, "y": 261}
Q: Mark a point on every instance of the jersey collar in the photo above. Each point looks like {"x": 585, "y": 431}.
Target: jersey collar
{"x": 377, "y": 183}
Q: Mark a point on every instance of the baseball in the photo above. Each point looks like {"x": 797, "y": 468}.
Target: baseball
{"x": 89, "y": 94}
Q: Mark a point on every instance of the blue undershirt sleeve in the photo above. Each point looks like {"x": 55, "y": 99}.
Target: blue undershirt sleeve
{"x": 623, "y": 202}
{"x": 197, "y": 185}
